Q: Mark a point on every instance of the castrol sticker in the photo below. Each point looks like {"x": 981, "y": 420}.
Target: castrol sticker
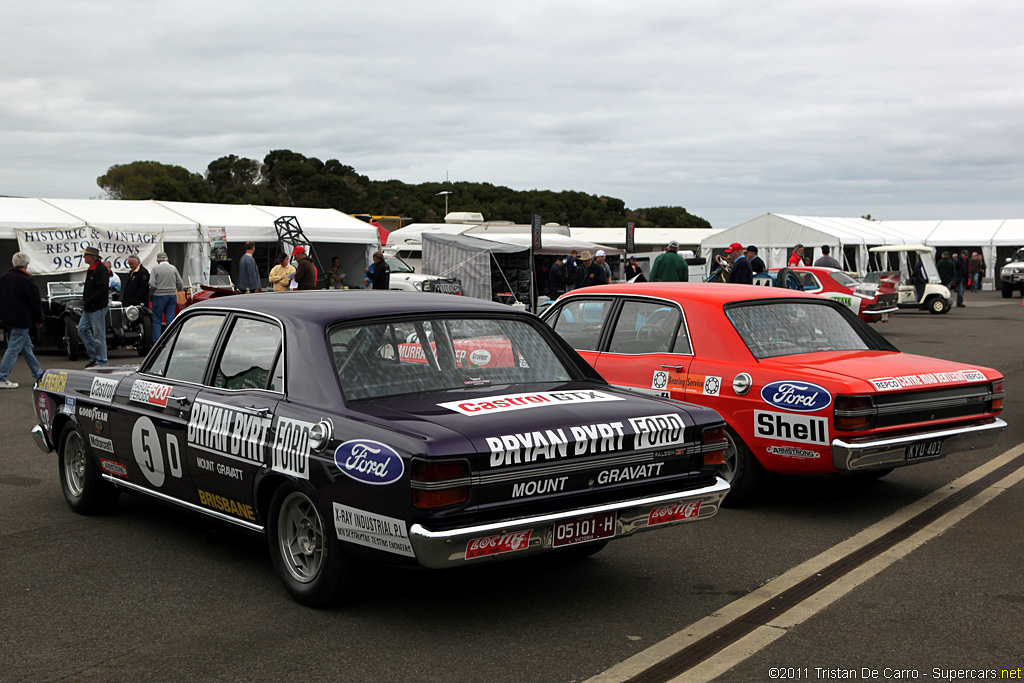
{"x": 539, "y": 399}
{"x": 674, "y": 513}
{"x": 500, "y": 543}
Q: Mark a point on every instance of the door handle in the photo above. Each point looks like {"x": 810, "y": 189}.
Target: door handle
{"x": 262, "y": 412}
{"x": 677, "y": 368}
{"x": 182, "y": 400}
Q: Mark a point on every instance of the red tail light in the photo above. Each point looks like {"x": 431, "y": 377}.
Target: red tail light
{"x": 429, "y": 479}
{"x": 853, "y": 412}
{"x": 714, "y": 439}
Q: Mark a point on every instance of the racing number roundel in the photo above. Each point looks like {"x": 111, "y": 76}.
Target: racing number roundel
{"x": 146, "y": 446}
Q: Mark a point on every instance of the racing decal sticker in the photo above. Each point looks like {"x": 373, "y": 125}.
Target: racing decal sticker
{"x": 69, "y": 406}
{"x": 800, "y": 397}
{"x": 789, "y": 427}
{"x": 150, "y": 456}
{"x": 54, "y": 381}
{"x": 506, "y": 402}
{"x": 103, "y": 389}
{"x": 926, "y": 379}
{"x": 227, "y": 431}
{"x": 93, "y": 413}
{"x": 372, "y": 530}
{"x": 219, "y": 468}
{"x": 500, "y": 543}
{"x": 480, "y": 357}
{"x": 701, "y": 384}
{"x": 674, "y": 513}
{"x": 226, "y": 505}
{"x": 369, "y": 462}
{"x": 629, "y": 473}
{"x": 114, "y": 468}
{"x": 101, "y": 443}
{"x": 791, "y": 452}
{"x": 660, "y": 380}
{"x": 842, "y": 299}
{"x": 536, "y": 487}
{"x": 44, "y": 407}
{"x": 290, "y": 452}
{"x": 150, "y": 392}
{"x": 658, "y": 431}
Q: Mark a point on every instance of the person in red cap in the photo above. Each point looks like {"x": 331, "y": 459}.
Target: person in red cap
{"x": 741, "y": 273}
{"x": 305, "y": 271}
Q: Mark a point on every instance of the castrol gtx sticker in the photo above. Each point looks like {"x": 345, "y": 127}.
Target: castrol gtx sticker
{"x": 372, "y": 530}
{"x": 369, "y": 462}
{"x": 540, "y": 399}
{"x": 150, "y": 392}
{"x": 102, "y": 389}
{"x": 800, "y": 397}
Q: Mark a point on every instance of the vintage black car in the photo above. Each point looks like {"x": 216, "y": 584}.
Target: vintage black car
{"x": 380, "y": 426}
{"x": 127, "y": 326}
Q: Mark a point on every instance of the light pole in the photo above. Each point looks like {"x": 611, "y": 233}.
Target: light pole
{"x": 445, "y": 193}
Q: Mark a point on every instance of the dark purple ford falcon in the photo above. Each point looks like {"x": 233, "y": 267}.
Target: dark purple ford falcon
{"x": 383, "y": 427}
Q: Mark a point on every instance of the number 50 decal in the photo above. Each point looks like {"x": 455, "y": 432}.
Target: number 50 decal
{"x": 146, "y": 446}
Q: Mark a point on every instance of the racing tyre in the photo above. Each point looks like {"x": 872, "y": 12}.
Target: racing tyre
{"x": 307, "y": 558}
{"x": 145, "y": 343}
{"x": 1007, "y": 290}
{"x": 84, "y": 488}
{"x": 936, "y": 305}
{"x": 71, "y": 338}
{"x": 788, "y": 279}
{"x": 743, "y": 472}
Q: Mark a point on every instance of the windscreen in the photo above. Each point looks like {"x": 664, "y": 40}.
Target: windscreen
{"x": 414, "y": 356}
{"x": 783, "y": 328}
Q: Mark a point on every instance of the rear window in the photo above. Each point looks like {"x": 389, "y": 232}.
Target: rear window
{"x": 784, "y": 328}
{"x": 416, "y": 356}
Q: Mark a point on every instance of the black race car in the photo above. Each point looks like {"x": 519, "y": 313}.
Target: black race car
{"x": 127, "y": 326}
{"x": 380, "y": 426}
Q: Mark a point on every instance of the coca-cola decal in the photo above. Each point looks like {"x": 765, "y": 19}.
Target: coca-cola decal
{"x": 370, "y": 462}
{"x": 799, "y": 397}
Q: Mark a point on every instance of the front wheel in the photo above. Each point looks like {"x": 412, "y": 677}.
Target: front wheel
{"x": 937, "y": 305}
{"x": 146, "y": 340}
{"x": 84, "y": 488}
{"x": 742, "y": 470}
{"x": 307, "y": 558}
{"x": 1007, "y": 290}
{"x": 71, "y": 338}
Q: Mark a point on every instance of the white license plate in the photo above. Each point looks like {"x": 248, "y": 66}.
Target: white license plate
{"x": 584, "y": 529}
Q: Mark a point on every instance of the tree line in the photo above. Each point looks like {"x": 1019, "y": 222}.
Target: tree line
{"x": 286, "y": 178}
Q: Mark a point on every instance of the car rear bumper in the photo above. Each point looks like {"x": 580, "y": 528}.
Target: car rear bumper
{"x": 518, "y": 538}
{"x": 41, "y": 439}
{"x": 871, "y": 454}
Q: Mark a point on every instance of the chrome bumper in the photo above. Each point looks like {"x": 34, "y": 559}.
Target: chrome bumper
{"x": 881, "y": 311}
{"x": 440, "y": 549}
{"x": 43, "y": 441}
{"x": 881, "y": 453}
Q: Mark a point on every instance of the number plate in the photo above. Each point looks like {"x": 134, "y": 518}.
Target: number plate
{"x": 583, "y": 529}
{"x": 924, "y": 449}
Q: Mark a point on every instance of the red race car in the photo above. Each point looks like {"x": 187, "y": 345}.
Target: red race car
{"x": 873, "y": 302}
{"x": 803, "y": 384}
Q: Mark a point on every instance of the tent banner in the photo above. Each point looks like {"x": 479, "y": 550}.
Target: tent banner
{"x": 55, "y": 251}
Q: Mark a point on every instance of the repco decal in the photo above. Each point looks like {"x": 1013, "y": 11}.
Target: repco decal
{"x": 540, "y": 399}
{"x": 369, "y": 462}
{"x": 927, "y": 378}
{"x": 800, "y": 397}
{"x": 150, "y": 392}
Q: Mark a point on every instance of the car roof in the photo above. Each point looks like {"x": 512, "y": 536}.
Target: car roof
{"x": 704, "y": 292}
{"x": 321, "y": 307}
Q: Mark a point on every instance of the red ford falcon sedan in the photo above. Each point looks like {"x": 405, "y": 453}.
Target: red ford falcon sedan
{"x": 805, "y": 386}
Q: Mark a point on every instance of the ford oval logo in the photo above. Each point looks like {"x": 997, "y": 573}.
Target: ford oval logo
{"x": 370, "y": 462}
{"x": 800, "y": 397}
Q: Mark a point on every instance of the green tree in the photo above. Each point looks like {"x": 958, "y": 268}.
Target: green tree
{"x": 153, "y": 180}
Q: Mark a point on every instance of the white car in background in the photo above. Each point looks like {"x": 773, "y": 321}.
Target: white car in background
{"x": 1011, "y": 276}
{"x": 405, "y": 279}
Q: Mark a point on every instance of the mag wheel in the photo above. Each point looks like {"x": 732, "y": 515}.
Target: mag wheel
{"x": 937, "y": 305}
{"x": 84, "y": 488}
{"x": 71, "y": 338}
{"x": 742, "y": 470}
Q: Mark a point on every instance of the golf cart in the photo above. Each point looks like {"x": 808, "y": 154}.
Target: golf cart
{"x": 936, "y": 297}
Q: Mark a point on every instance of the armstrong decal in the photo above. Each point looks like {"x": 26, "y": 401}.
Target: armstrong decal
{"x": 926, "y": 379}
{"x": 227, "y": 431}
{"x": 540, "y": 399}
{"x": 791, "y": 452}
{"x": 54, "y": 381}
{"x": 114, "y": 468}
{"x": 290, "y": 452}
{"x": 150, "y": 392}
{"x": 495, "y": 545}
{"x": 226, "y": 505}
{"x": 103, "y": 389}
{"x": 800, "y": 397}
{"x": 372, "y": 530}
{"x": 369, "y": 462}
{"x": 789, "y": 427}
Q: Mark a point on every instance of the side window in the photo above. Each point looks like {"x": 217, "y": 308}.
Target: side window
{"x": 249, "y": 356}
{"x": 193, "y": 347}
{"x": 158, "y": 366}
{"x": 648, "y": 327}
{"x": 580, "y": 322}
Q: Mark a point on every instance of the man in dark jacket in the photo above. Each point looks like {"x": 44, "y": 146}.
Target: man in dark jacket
{"x": 593, "y": 273}
{"x": 21, "y": 307}
{"x": 556, "y": 279}
{"x": 960, "y": 279}
{"x": 92, "y": 328}
{"x": 380, "y": 276}
{"x": 947, "y": 270}
{"x": 741, "y": 272}
{"x": 136, "y": 285}
{"x": 305, "y": 271}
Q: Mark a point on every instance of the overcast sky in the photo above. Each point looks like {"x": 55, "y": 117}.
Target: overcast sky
{"x": 901, "y": 110}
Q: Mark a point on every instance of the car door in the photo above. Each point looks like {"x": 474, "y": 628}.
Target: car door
{"x": 231, "y": 424}
{"x": 154, "y": 405}
{"x": 581, "y": 321}
{"x": 647, "y": 348}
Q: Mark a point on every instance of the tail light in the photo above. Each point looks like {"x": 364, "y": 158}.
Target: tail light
{"x": 714, "y": 445}
{"x": 439, "y": 484}
{"x": 997, "y": 395}
{"x": 853, "y": 413}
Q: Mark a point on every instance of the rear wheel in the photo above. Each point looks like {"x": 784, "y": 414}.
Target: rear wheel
{"x": 742, "y": 470}
{"x": 307, "y": 558}
{"x": 84, "y": 488}
{"x": 1007, "y": 290}
{"x": 936, "y": 305}
{"x": 146, "y": 340}
{"x": 71, "y": 338}
{"x": 788, "y": 279}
